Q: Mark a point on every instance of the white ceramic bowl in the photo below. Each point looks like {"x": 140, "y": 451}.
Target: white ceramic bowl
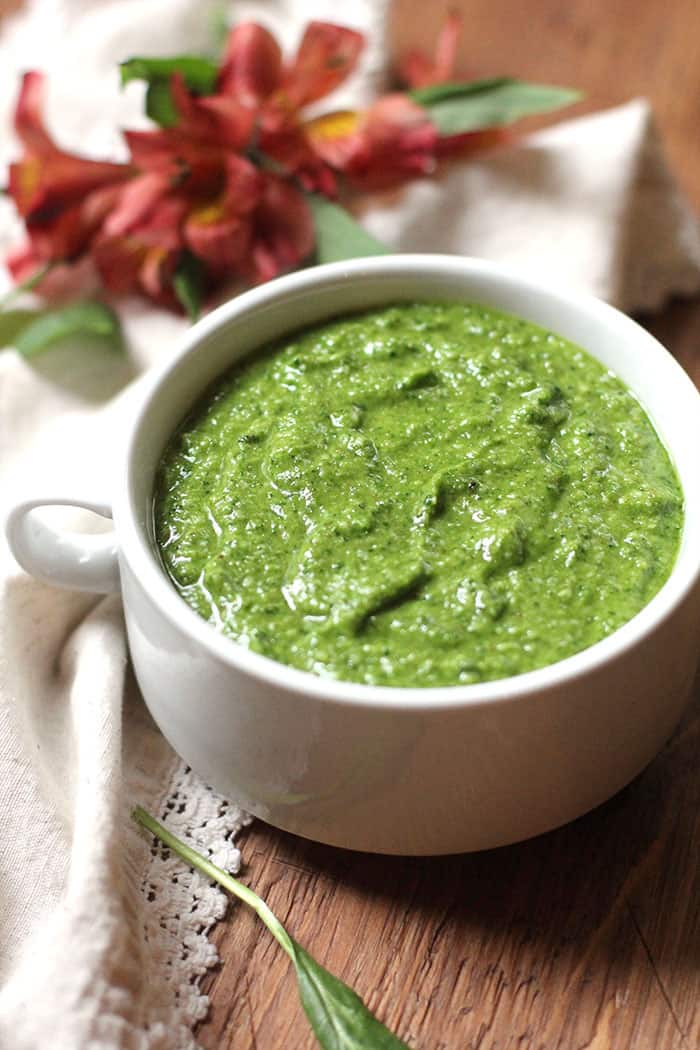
{"x": 392, "y": 770}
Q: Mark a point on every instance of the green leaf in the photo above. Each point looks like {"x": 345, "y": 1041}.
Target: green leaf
{"x": 12, "y": 322}
{"x": 199, "y": 74}
{"x": 188, "y": 284}
{"x": 338, "y": 235}
{"x": 437, "y": 92}
{"x": 458, "y": 108}
{"x": 339, "y": 1018}
{"x": 26, "y": 286}
{"x": 79, "y": 320}
{"x": 219, "y": 26}
{"x": 159, "y": 104}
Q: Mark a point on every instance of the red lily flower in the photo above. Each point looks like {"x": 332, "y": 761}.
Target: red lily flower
{"x": 197, "y": 194}
{"x": 220, "y": 231}
{"x": 144, "y": 256}
{"x": 254, "y": 72}
{"x": 390, "y": 142}
{"x": 62, "y": 198}
{"x": 395, "y": 139}
{"x": 221, "y": 187}
{"x": 221, "y": 203}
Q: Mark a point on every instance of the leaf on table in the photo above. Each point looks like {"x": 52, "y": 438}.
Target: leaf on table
{"x": 199, "y": 74}
{"x": 338, "y": 235}
{"x": 89, "y": 319}
{"x": 459, "y": 108}
{"x": 339, "y": 1018}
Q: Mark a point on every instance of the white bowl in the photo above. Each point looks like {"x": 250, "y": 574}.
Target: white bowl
{"x": 393, "y": 770}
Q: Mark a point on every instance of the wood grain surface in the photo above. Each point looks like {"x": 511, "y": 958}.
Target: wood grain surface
{"x": 588, "y": 937}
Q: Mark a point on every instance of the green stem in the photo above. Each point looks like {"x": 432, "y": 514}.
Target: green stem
{"x": 25, "y": 286}
{"x": 195, "y": 860}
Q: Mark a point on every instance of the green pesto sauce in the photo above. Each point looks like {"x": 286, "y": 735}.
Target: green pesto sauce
{"x": 421, "y": 495}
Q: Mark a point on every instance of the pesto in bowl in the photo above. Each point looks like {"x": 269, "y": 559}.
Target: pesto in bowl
{"x": 426, "y": 494}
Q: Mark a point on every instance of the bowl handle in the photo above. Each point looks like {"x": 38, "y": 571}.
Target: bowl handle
{"x": 82, "y": 562}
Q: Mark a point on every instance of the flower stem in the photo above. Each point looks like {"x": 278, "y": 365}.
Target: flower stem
{"x": 25, "y": 286}
{"x": 196, "y": 860}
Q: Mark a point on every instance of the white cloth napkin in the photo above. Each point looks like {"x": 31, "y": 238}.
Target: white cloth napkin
{"x": 98, "y": 946}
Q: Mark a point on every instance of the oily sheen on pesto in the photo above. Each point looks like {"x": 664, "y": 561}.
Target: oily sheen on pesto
{"x": 425, "y": 494}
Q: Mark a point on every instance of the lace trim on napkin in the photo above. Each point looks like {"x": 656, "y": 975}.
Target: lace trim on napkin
{"x": 181, "y": 907}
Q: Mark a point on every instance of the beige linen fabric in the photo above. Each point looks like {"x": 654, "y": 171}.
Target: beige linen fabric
{"x": 99, "y": 947}
{"x": 589, "y": 202}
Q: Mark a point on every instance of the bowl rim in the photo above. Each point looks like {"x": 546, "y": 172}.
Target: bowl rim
{"x": 152, "y": 577}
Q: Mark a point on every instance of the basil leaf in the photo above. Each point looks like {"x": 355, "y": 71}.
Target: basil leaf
{"x": 85, "y": 319}
{"x": 458, "y": 108}
{"x": 188, "y": 284}
{"x": 199, "y": 74}
{"x": 339, "y": 1018}
{"x": 338, "y": 235}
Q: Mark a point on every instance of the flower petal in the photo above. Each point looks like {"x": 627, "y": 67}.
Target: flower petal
{"x": 24, "y": 184}
{"x": 417, "y": 70}
{"x": 219, "y": 231}
{"x": 118, "y": 261}
{"x": 47, "y": 180}
{"x": 164, "y": 225}
{"x": 244, "y": 184}
{"x": 195, "y": 166}
{"x": 120, "y": 258}
{"x": 41, "y": 186}
{"x": 472, "y": 141}
{"x": 22, "y": 262}
{"x": 156, "y": 274}
{"x": 221, "y": 242}
{"x": 136, "y": 199}
{"x": 285, "y": 142}
{"x": 233, "y": 122}
{"x": 327, "y": 55}
{"x": 252, "y": 66}
{"x": 393, "y": 140}
{"x": 151, "y": 150}
{"x": 283, "y": 232}
{"x": 29, "y": 123}
{"x": 333, "y": 136}
{"x": 214, "y": 119}
{"x": 68, "y": 232}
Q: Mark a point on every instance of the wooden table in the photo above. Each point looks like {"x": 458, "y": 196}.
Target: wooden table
{"x": 588, "y": 937}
